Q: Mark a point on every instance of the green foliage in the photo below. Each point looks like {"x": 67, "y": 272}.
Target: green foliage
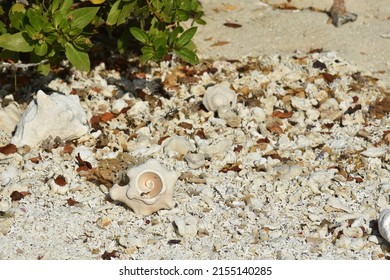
{"x": 49, "y": 31}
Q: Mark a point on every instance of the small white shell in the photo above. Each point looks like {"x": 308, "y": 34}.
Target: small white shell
{"x": 150, "y": 188}
{"x": 219, "y": 95}
{"x": 51, "y": 115}
{"x": 384, "y": 224}
{"x": 5, "y": 203}
{"x": 374, "y": 152}
{"x": 195, "y": 160}
{"x": 177, "y": 145}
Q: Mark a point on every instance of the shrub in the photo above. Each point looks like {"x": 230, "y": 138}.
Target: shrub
{"x": 44, "y": 32}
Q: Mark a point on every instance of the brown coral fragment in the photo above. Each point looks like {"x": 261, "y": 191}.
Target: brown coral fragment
{"x": 381, "y": 107}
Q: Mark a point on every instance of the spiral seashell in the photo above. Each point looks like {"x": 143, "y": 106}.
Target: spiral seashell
{"x": 150, "y": 188}
{"x": 384, "y": 224}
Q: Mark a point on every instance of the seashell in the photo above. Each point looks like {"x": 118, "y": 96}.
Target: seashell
{"x": 5, "y": 203}
{"x": 219, "y": 95}
{"x": 9, "y": 117}
{"x": 51, "y": 115}
{"x": 222, "y": 99}
{"x": 384, "y": 224}
{"x": 177, "y": 145}
{"x": 374, "y": 152}
{"x": 195, "y": 160}
{"x": 118, "y": 105}
{"x": 8, "y": 175}
{"x": 186, "y": 227}
{"x": 231, "y": 118}
{"x": 218, "y": 148}
{"x": 150, "y": 188}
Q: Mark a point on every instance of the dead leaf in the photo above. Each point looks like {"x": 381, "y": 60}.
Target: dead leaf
{"x": 159, "y": 142}
{"x": 319, "y": 65}
{"x": 238, "y": 148}
{"x": 60, "y": 180}
{"x": 36, "y": 159}
{"x": 109, "y": 255}
{"x": 282, "y": 115}
{"x": 220, "y": 43}
{"x": 381, "y": 107}
{"x": 95, "y": 120}
{"x": 106, "y": 117}
{"x": 185, "y": 125}
{"x": 71, "y": 202}
{"x": 329, "y": 78}
{"x": 274, "y": 127}
{"x": 68, "y": 148}
{"x": 16, "y": 196}
{"x": 231, "y": 167}
{"x": 8, "y": 149}
{"x": 232, "y": 25}
{"x": 83, "y": 165}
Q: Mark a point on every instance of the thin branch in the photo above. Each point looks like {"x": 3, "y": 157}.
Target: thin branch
{"x": 24, "y": 66}
{"x": 154, "y": 12}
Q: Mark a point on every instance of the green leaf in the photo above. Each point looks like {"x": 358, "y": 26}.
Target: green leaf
{"x": 44, "y": 69}
{"x": 187, "y": 55}
{"x": 139, "y": 34}
{"x": 125, "y": 12}
{"x": 16, "y": 42}
{"x": 41, "y": 49}
{"x": 16, "y": 15}
{"x": 66, "y": 6}
{"x": 80, "y": 18}
{"x": 36, "y": 21}
{"x": 55, "y": 5}
{"x": 114, "y": 13}
{"x": 79, "y": 59}
{"x": 182, "y": 15}
{"x": 172, "y": 37}
{"x": 186, "y": 37}
{"x": 147, "y": 53}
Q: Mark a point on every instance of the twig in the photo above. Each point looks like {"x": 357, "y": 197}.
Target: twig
{"x": 24, "y": 66}
{"x": 154, "y": 12}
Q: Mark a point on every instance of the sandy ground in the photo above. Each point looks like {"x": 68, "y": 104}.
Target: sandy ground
{"x": 264, "y": 30}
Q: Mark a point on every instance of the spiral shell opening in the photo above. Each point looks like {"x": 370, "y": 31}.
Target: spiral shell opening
{"x": 150, "y": 185}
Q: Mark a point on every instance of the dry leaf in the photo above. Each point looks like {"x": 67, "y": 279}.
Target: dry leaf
{"x": 16, "y": 196}
{"x": 8, "y": 149}
{"x": 220, "y": 43}
{"x": 36, "y": 159}
{"x": 162, "y": 139}
{"x": 185, "y": 125}
{"x": 381, "y": 107}
{"x": 68, "y": 148}
{"x": 71, "y": 202}
{"x": 83, "y": 165}
{"x": 110, "y": 255}
{"x": 106, "y": 117}
{"x": 282, "y": 115}
{"x": 274, "y": 127}
{"x": 232, "y": 25}
{"x": 60, "y": 180}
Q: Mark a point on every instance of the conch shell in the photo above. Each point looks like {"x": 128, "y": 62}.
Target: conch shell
{"x": 384, "y": 224}
{"x": 150, "y": 188}
{"x": 51, "y": 116}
